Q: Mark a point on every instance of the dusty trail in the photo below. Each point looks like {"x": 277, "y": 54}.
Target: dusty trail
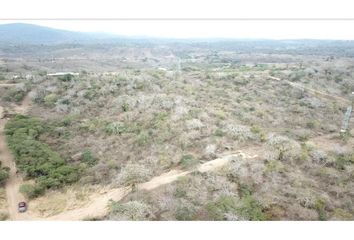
{"x": 9, "y": 84}
{"x": 313, "y": 91}
{"x": 332, "y": 140}
{"x": 15, "y": 180}
{"x": 97, "y": 207}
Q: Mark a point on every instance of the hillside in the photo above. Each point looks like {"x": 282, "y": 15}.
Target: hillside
{"x": 141, "y": 124}
{"x": 20, "y": 33}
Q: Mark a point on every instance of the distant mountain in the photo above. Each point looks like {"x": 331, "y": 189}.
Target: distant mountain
{"x": 20, "y": 33}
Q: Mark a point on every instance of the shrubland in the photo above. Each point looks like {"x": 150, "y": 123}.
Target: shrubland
{"x": 126, "y": 119}
{"x": 35, "y": 158}
{"x": 4, "y": 174}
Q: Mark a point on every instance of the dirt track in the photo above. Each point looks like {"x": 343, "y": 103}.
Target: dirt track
{"x": 97, "y": 207}
{"x": 15, "y": 180}
{"x": 9, "y": 84}
{"x": 313, "y": 91}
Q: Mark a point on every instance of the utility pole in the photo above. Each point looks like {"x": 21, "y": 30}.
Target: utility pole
{"x": 178, "y": 69}
{"x": 345, "y": 125}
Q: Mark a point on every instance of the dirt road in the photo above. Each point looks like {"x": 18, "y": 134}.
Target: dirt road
{"x": 97, "y": 207}
{"x": 9, "y": 84}
{"x": 15, "y": 180}
{"x": 313, "y": 91}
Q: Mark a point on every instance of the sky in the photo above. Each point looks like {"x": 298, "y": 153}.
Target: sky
{"x": 265, "y": 29}
{"x": 316, "y": 19}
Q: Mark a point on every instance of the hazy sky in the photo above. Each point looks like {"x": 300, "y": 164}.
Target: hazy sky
{"x": 286, "y": 29}
{"x": 161, "y": 9}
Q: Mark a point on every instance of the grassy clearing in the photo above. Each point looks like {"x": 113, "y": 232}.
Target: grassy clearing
{"x": 68, "y": 198}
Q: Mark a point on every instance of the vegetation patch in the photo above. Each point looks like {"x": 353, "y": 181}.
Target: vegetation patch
{"x": 89, "y": 158}
{"x": 133, "y": 174}
{"x": 343, "y": 160}
{"x": 4, "y": 174}
{"x": 185, "y": 213}
{"x": 188, "y": 161}
{"x": 35, "y": 158}
{"x": 246, "y": 208}
{"x": 132, "y": 211}
{"x": 320, "y": 208}
{"x": 14, "y": 95}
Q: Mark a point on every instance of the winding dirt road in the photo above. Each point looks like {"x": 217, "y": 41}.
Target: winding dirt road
{"x": 97, "y": 207}
{"x": 9, "y": 84}
{"x": 98, "y": 203}
{"x": 15, "y": 180}
{"x": 312, "y": 91}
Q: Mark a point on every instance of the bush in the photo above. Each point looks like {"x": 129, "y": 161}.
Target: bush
{"x": 35, "y": 158}
{"x": 274, "y": 166}
{"x": 88, "y": 158}
{"x": 185, "y": 213}
{"x": 219, "y": 133}
{"x": 240, "y": 133}
{"x": 247, "y": 208}
{"x": 31, "y": 191}
{"x": 312, "y": 124}
{"x": 133, "y": 174}
{"x": 68, "y": 120}
{"x": 143, "y": 138}
{"x": 134, "y": 210}
{"x": 251, "y": 209}
{"x": 42, "y": 73}
{"x": 14, "y": 95}
{"x": 115, "y": 128}
{"x": 320, "y": 208}
{"x": 66, "y": 78}
{"x": 180, "y": 192}
{"x": 125, "y": 107}
{"x": 188, "y": 161}
{"x": 4, "y": 175}
{"x": 344, "y": 159}
{"x": 218, "y": 209}
{"x": 256, "y": 129}
{"x": 285, "y": 149}
{"x": 341, "y": 214}
{"x": 90, "y": 94}
{"x": 259, "y": 131}
{"x": 297, "y": 76}
{"x": 50, "y": 99}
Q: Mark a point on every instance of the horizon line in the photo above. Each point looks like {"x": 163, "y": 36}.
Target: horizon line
{"x": 176, "y": 19}
{"x": 179, "y": 38}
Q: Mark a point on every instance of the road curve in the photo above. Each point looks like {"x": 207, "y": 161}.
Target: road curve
{"x": 97, "y": 207}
